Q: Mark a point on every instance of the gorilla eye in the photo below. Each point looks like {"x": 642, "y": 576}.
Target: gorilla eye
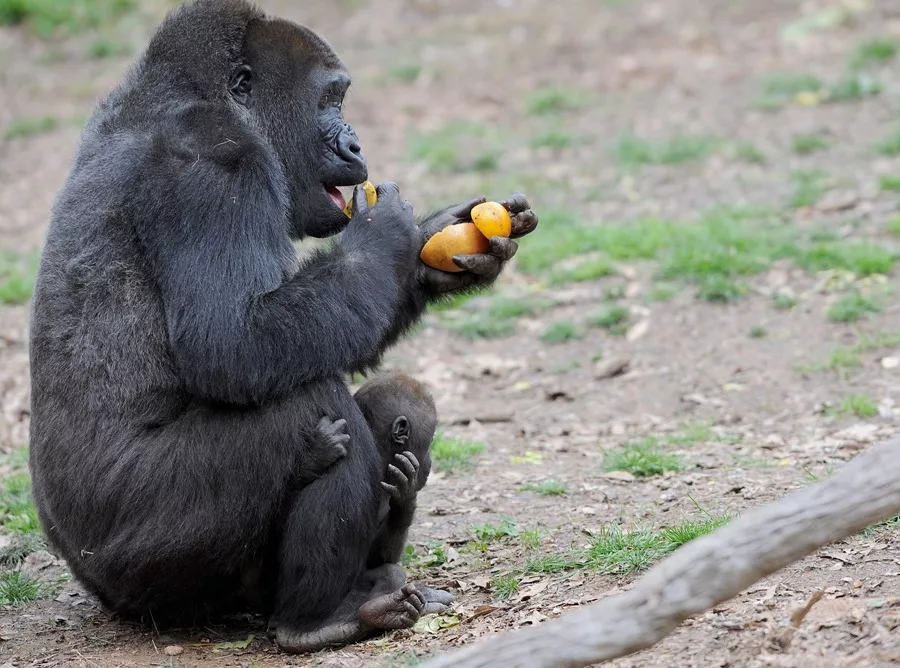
{"x": 330, "y": 100}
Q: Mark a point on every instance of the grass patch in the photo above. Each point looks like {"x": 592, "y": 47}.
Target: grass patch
{"x": 46, "y": 17}
{"x": 27, "y": 127}
{"x": 862, "y": 258}
{"x": 614, "y": 320}
{"x": 784, "y": 301}
{"x": 757, "y": 332}
{"x": 783, "y": 88}
{"x": 489, "y": 532}
{"x": 890, "y": 145}
{"x": 809, "y": 187}
{"x": 660, "y": 292}
{"x": 553, "y": 139}
{"x": 588, "y": 270}
{"x": 17, "y": 275}
{"x": 893, "y": 227}
{"x": 748, "y": 152}
{"x": 550, "y": 563}
{"x": 106, "y": 48}
{"x": 560, "y": 332}
{"x": 642, "y": 459}
{"x": 619, "y": 552}
{"x": 873, "y": 52}
{"x": 688, "y": 530}
{"x": 489, "y": 319}
{"x": 889, "y": 183}
{"x": 545, "y": 488}
{"x": 633, "y": 151}
{"x": 806, "y": 144}
{"x": 718, "y": 288}
{"x": 404, "y": 72}
{"x": 853, "y": 86}
{"x": 553, "y": 100}
{"x": 852, "y": 307}
{"x": 18, "y": 514}
{"x": 454, "y": 455}
{"x": 504, "y": 586}
{"x": 457, "y": 148}
{"x": 890, "y": 524}
{"x": 478, "y": 326}
{"x": 17, "y": 588}
{"x": 860, "y": 405}
{"x": 531, "y": 539}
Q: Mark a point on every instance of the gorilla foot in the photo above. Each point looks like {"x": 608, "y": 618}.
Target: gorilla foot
{"x": 436, "y": 600}
{"x": 398, "y": 610}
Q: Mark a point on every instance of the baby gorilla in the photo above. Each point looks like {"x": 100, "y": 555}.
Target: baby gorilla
{"x": 403, "y": 419}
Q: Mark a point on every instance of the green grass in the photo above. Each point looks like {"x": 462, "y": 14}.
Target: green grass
{"x": 479, "y": 326}
{"x": 633, "y": 151}
{"x": 688, "y": 530}
{"x": 860, "y": 405}
{"x": 809, "y": 187}
{"x": 660, "y": 292}
{"x": 545, "y": 488}
{"x": 531, "y": 539}
{"x": 748, "y": 152}
{"x": 553, "y": 100}
{"x": 489, "y": 318}
{"x": 784, "y": 301}
{"x": 560, "y": 332}
{"x": 504, "y": 586}
{"x": 844, "y": 358}
{"x": 873, "y": 52}
{"x": 46, "y": 17}
{"x": 17, "y": 275}
{"x": 458, "y": 148}
{"x": 555, "y": 139}
{"x": 806, "y": 144}
{"x": 852, "y": 87}
{"x": 719, "y": 288}
{"x": 617, "y": 552}
{"x": 890, "y": 524}
{"x": 893, "y": 227}
{"x": 890, "y": 145}
{"x": 780, "y": 89}
{"x": 862, "y": 258}
{"x": 27, "y": 127}
{"x": 550, "y": 563}
{"x": 757, "y": 332}
{"x": 404, "y": 72}
{"x": 588, "y": 270}
{"x": 490, "y": 532}
{"x": 852, "y": 308}
{"x": 17, "y": 588}
{"x": 105, "y": 48}
{"x": 614, "y": 320}
{"x": 454, "y": 455}
{"x": 889, "y": 183}
{"x": 642, "y": 459}
{"x": 18, "y": 514}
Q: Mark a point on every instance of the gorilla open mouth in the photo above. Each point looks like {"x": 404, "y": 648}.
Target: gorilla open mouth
{"x": 336, "y": 196}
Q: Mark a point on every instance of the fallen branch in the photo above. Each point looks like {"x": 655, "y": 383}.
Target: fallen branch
{"x": 703, "y": 573}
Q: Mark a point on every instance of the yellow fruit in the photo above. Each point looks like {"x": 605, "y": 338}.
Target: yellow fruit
{"x": 371, "y": 198}
{"x": 459, "y": 239}
{"x": 492, "y": 220}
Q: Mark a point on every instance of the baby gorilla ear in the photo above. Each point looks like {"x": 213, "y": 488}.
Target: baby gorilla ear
{"x": 240, "y": 84}
{"x": 400, "y": 430}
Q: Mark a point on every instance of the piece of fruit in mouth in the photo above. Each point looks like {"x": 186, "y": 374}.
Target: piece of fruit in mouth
{"x": 371, "y": 198}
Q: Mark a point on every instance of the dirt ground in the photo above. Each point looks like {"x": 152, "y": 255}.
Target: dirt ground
{"x": 546, "y": 411}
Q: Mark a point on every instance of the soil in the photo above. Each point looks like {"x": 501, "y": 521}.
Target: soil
{"x": 657, "y": 68}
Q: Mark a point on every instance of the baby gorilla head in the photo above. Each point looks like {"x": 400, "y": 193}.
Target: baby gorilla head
{"x": 403, "y": 418}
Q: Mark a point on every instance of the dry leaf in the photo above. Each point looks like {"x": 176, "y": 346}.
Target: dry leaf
{"x": 236, "y": 644}
{"x": 434, "y": 624}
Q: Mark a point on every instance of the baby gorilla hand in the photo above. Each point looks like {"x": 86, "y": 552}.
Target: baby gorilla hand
{"x": 331, "y": 444}
{"x": 400, "y": 480}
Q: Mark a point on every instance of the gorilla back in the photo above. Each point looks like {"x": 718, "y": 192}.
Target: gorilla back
{"x": 179, "y": 351}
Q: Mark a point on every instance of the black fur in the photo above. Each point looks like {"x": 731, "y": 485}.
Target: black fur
{"x": 181, "y": 355}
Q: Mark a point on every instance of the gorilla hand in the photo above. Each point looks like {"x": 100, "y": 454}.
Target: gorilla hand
{"x": 481, "y": 269}
{"x": 400, "y": 482}
{"x": 387, "y": 228}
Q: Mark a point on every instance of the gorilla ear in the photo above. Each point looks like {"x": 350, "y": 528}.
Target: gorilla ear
{"x": 400, "y": 430}
{"x": 240, "y": 84}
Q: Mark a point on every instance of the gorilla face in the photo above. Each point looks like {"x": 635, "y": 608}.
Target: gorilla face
{"x": 296, "y": 96}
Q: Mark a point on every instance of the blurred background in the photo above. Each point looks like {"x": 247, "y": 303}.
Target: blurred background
{"x": 706, "y": 317}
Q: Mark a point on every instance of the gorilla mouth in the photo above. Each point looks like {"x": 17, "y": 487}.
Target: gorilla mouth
{"x": 336, "y": 196}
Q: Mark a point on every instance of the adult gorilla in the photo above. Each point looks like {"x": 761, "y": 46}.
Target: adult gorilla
{"x": 181, "y": 356}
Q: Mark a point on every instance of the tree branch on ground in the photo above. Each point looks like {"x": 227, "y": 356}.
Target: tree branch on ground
{"x": 703, "y": 573}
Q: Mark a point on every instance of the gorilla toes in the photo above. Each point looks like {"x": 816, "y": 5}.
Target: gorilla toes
{"x": 436, "y": 600}
{"x": 398, "y": 610}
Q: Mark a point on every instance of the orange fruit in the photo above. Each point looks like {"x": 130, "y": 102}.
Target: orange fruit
{"x": 371, "y": 198}
{"x": 492, "y": 220}
{"x": 459, "y": 239}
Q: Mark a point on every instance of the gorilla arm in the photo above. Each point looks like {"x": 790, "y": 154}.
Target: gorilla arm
{"x": 245, "y": 325}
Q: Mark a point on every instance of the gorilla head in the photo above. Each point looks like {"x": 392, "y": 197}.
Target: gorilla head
{"x": 291, "y": 73}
